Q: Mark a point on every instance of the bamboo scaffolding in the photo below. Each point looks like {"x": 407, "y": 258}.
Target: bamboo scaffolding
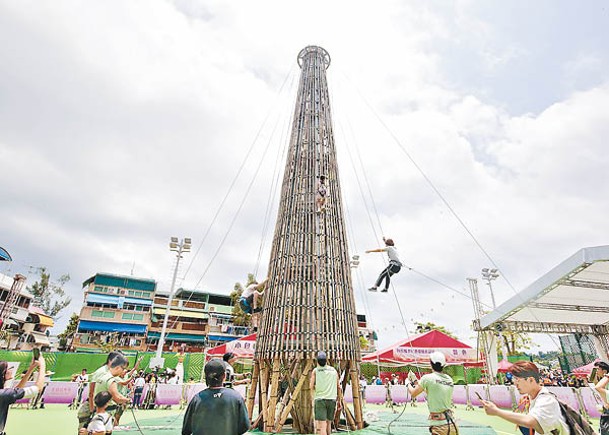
{"x": 309, "y": 304}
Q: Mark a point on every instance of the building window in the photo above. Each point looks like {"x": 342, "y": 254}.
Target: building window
{"x": 133, "y": 316}
{"x": 104, "y": 314}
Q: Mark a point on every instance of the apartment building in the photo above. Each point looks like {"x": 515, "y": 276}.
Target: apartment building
{"x": 116, "y": 310}
{"x": 26, "y": 325}
{"x": 196, "y": 319}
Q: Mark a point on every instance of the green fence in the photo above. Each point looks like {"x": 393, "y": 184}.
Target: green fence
{"x": 65, "y": 365}
{"x": 459, "y": 374}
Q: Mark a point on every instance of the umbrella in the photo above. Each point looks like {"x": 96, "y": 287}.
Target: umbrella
{"x": 4, "y": 255}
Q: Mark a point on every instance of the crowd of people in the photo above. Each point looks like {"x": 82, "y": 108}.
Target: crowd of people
{"x": 115, "y": 386}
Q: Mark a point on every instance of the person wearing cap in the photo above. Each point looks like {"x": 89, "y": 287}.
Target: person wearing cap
{"x": 231, "y": 379}
{"x": 322, "y": 192}
{"x": 324, "y": 383}
{"x": 545, "y": 415}
{"x": 395, "y": 265}
{"x": 216, "y": 410}
{"x": 438, "y": 387}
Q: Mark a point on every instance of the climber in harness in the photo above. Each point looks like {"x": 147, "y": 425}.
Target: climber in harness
{"x": 250, "y": 300}
{"x": 394, "y": 265}
{"x": 322, "y": 192}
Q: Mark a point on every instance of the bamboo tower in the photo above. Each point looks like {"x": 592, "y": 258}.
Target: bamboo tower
{"x": 308, "y": 304}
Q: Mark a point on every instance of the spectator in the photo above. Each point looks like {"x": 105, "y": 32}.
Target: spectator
{"x": 139, "y": 384}
{"x": 102, "y": 423}
{"x": 362, "y": 388}
{"x": 231, "y": 377}
{"x": 9, "y": 396}
{"x": 544, "y": 414}
{"x": 216, "y": 410}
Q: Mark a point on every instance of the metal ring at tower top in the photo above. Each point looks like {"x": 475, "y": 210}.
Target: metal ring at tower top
{"x": 314, "y": 50}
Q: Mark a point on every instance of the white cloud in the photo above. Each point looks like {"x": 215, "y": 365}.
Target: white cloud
{"x": 122, "y": 124}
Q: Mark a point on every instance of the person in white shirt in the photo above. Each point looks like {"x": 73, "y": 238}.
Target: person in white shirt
{"x": 231, "y": 379}
{"x": 139, "y": 384}
{"x": 250, "y": 300}
{"x": 544, "y": 415}
{"x": 395, "y": 265}
{"x": 8, "y": 396}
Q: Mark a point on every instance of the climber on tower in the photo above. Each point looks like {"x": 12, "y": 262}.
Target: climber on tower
{"x": 250, "y": 300}
{"x": 322, "y": 192}
{"x": 394, "y": 264}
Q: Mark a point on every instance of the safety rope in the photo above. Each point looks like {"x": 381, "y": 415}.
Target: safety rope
{"x": 442, "y": 198}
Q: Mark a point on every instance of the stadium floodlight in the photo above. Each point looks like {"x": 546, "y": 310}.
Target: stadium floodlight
{"x": 179, "y": 247}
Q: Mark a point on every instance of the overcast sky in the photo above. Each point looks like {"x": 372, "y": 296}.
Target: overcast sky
{"x": 123, "y": 123}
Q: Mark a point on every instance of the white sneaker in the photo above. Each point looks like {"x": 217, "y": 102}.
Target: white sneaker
{"x": 372, "y": 289}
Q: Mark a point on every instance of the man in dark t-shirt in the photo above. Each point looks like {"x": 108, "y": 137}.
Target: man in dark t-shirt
{"x": 216, "y": 410}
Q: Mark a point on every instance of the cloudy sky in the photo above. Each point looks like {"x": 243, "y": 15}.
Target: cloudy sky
{"x": 123, "y": 123}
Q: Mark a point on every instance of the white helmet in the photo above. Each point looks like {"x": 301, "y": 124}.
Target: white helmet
{"x": 438, "y": 358}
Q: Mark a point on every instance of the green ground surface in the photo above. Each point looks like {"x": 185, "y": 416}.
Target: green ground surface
{"x": 59, "y": 420}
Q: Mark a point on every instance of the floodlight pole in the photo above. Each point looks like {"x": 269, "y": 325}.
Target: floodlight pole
{"x": 179, "y": 248}
{"x": 490, "y": 275}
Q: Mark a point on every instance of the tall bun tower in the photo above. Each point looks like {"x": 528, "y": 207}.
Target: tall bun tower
{"x": 308, "y": 304}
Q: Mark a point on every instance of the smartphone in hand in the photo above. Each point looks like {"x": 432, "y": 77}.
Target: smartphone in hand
{"x": 36, "y": 353}
{"x": 479, "y": 396}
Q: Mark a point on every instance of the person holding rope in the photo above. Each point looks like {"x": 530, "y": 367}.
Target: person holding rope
{"x": 545, "y": 415}
{"x": 105, "y": 380}
{"x": 439, "y": 389}
{"x": 394, "y": 265}
{"x": 216, "y": 410}
{"x": 325, "y": 384}
{"x": 231, "y": 379}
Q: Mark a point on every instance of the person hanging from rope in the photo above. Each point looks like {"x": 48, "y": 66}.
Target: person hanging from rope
{"x": 439, "y": 389}
{"x": 322, "y": 192}
{"x": 250, "y": 300}
{"x": 394, "y": 265}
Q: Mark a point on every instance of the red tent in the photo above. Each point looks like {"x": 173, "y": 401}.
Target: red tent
{"x": 504, "y": 366}
{"x": 243, "y": 347}
{"x": 584, "y": 370}
{"x": 416, "y": 350}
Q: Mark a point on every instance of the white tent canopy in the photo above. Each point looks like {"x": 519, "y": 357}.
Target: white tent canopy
{"x": 573, "y": 297}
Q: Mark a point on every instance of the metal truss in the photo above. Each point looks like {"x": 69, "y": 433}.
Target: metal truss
{"x": 544, "y": 328}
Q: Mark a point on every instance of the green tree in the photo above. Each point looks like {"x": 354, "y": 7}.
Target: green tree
{"x": 49, "y": 295}
{"x": 516, "y": 343}
{"x": 240, "y": 318}
{"x": 429, "y": 326}
{"x": 66, "y": 337}
{"x": 363, "y": 342}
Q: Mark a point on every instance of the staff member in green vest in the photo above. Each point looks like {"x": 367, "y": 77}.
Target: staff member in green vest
{"x": 439, "y": 389}
{"x": 324, "y": 382}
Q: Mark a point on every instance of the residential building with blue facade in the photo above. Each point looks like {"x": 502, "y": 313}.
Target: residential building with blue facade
{"x": 116, "y": 309}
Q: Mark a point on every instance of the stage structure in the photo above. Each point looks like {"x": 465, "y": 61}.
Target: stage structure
{"x": 308, "y": 304}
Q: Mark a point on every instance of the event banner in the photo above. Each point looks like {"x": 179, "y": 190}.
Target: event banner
{"x": 60, "y": 392}
{"x": 242, "y": 348}
{"x": 410, "y": 354}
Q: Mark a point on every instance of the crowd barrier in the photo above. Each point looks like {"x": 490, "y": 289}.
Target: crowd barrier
{"x": 581, "y": 399}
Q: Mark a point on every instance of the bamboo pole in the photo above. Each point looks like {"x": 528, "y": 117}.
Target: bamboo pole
{"x": 270, "y": 413}
{"x": 251, "y": 397}
{"x": 303, "y": 379}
